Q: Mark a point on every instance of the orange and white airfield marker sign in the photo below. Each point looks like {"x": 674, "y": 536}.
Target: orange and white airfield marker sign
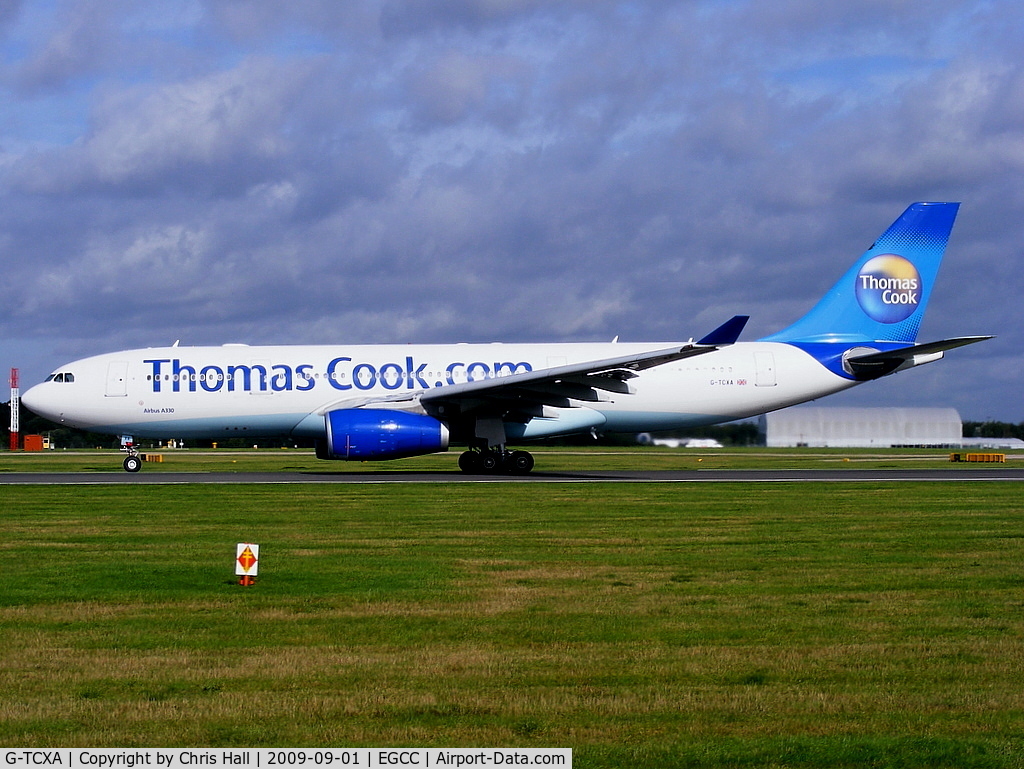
{"x": 247, "y": 562}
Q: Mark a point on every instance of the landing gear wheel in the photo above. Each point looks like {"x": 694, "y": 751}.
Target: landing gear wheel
{"x": 520, "y": 462}
{"x": 492, "y": 462}
{"x": 469, "y": 462}
{"x": 132, "y": 464}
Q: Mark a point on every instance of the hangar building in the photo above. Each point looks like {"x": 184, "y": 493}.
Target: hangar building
{"x": 854, "y": 427}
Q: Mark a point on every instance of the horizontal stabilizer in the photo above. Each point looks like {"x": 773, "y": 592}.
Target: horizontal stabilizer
{"x": 727, "y": 333}
{"x": 872, "y": 365}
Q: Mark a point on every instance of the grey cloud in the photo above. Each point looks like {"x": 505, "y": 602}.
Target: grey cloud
{"x": 409, "y": 17}
{"x": 85, "y": 42}
{"x": 8, "y": 11}
{"x": 453, "y": 86}
{"x": 178, "y": 136}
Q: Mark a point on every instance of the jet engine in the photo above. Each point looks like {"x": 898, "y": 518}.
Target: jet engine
{"x": 380, "y": 434}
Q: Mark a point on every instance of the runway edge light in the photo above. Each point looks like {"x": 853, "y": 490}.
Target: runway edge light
{"x": 247, "y": 562}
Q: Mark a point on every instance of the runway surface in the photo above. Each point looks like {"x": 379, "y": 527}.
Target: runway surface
{"x": 852, "y": 475}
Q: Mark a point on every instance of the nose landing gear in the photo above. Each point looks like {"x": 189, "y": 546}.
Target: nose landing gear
{"x": 132, "y": 462}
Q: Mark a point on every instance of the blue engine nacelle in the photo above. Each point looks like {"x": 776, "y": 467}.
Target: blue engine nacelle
{"x": 381, "y": 434}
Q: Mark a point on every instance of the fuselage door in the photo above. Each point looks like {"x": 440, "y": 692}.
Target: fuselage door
{"x": 117, "y": 379}
{"x": 764, "y": 362}
{"x": 262, "y": 374}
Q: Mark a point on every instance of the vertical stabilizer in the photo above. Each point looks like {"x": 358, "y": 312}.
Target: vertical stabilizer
{"x": 884, "y": 295}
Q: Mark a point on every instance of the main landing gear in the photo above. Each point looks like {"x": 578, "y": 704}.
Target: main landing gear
{"x": 492, "y": 462}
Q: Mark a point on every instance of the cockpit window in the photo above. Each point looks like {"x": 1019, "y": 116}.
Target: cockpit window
{"x": 69, "y": 377}
{"x": 64, "y": 376}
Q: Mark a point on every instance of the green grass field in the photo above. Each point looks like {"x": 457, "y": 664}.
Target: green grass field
{"x": 639, "y": 624}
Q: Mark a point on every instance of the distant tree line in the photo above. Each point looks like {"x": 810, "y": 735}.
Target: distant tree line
{"x": 729, "y": 434}
{"x": 993, "y": 430}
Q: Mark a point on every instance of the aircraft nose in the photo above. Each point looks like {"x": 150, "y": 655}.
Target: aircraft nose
{"x": 29, "y": 397}
{"x": 39, "y": 400}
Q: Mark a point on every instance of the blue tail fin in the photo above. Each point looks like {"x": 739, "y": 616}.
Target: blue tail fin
{"x": 883, "y": 296}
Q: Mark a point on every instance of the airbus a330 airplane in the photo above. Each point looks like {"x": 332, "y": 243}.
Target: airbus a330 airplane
{"x": 392, "y": 401}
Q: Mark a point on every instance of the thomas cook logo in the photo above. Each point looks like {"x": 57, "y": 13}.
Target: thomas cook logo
{"x": 888, "y": 288}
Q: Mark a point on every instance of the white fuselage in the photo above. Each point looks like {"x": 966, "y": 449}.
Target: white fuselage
{"x": 238, "y": 391}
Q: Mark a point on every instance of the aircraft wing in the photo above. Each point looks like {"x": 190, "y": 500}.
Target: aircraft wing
{"x": 577, "y": 381}
{"x": 876, "y": 364}
{"x": 544, "y": 387}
